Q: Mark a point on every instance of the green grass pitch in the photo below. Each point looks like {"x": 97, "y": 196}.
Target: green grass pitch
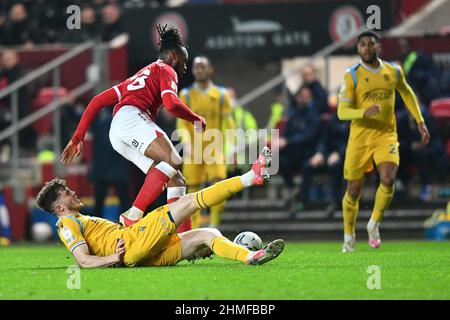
{"x": 408, "y": 270}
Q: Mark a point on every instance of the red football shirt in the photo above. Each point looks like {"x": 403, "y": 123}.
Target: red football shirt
{"x": 145, "y": 89}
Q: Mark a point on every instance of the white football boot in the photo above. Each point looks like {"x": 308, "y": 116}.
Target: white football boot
{"x": 349, "y": 244}
{"x": 374, "y": 234}
{"x": 270, "y": 252}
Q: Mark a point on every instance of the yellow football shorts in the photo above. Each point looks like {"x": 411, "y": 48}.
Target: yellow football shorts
{"x": 359, "y": 158}
{"x": 152, "y": 241}
{"x": 196, "y": 174}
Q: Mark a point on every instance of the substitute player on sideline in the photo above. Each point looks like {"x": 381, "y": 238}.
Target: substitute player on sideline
{"x": 153, "y": 241}
{"x": 134, "y": 133}
{"x": 213, "y": 103}
{"x": 367, "y": 97}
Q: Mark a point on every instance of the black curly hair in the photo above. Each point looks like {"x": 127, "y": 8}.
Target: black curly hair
{"x": 170, "y": 39}
{"x": 369, "y": 33}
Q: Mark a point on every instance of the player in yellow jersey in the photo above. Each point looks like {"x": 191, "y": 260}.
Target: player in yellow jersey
{"x": 367, "y": 98}
{"x": 153, "y": 241}
{"x": 213, "y": 103}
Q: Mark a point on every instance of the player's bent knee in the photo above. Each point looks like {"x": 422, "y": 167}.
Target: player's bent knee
{"x": 388, "y": 181}
{"x": 354, "y": 195}
{"x": 354, "y": 191}
{"x": 209, "y": 234}
{"x": 215, "y": 232}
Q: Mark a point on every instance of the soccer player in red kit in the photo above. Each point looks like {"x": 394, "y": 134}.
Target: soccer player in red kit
{"x": 134, "y": 133}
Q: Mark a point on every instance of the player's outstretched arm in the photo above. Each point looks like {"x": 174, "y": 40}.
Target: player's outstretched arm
{"x": 71, "y": 151}
{"x": 176, "y": 107}
{"x": 85, "y": 260}
{"x": 73, "y": 148}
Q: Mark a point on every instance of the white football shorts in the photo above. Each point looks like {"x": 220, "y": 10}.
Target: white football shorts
{"x": 131, "y": 132}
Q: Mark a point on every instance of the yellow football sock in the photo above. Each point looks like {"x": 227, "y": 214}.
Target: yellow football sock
{"x": 224, "y": 248}
{"x": 218, "y": 193}
{"x": 216, "y": 213}
{"x": 196, "y": 218}
{"x": 350, "y": 209}
{"x": 383, "y": 198}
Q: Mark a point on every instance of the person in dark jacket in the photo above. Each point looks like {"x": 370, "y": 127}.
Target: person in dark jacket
{"x": 10, "y": 71}
{"x": 420, "y": 71}
{"x": 18, "y": 28}
{"x": 108, "y": 167}
{"x": 328, "y": 158}
{"x": 423, "y": 157}
{"x": 90, "y": 29}
{"x": 299, "y": 138}
{"x": 320, "y": 95}
{"x": 112, "y": 23}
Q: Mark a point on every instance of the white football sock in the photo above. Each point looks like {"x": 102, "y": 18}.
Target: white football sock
{"x": 135, "y": 213}
{"x": 247, "y": 179}
{"x": 372, "y": 224}
{"x": 175, "y": 192}
{"x": 348, "y": 238}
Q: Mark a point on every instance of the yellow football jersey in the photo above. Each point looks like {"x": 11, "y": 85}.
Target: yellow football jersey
{"x": 152, "y": 241}
{"x": 363, "y": 87}
{"x": 213, "y": 104}
{"x": 100, "y": 235}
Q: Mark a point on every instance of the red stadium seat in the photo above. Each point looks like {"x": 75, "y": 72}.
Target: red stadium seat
{"x": 440, "y": 108}
{"x": 43, "y": 98}
{"x": 19, "y": 211}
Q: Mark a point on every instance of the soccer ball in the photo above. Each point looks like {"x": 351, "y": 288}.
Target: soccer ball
{"x": 41, "y": 232}
{"x": 249, "y": 240}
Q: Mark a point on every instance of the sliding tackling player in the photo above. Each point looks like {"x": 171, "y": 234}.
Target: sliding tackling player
{"x": 153, "y": 241}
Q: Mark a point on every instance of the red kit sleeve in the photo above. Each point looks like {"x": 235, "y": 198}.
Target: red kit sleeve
{"x": 107, "y": 98}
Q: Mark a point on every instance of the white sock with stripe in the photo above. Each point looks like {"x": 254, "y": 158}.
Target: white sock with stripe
{"x": 175, "y": 193}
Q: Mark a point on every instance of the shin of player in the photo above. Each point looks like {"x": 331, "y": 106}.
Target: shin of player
{"x": 383, "y": 197}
